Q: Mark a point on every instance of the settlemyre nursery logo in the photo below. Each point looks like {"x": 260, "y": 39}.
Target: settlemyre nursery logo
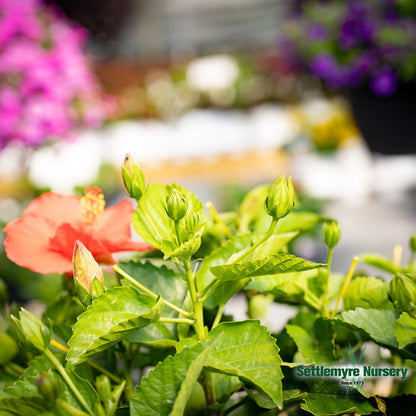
{"x": 353, "y": 374}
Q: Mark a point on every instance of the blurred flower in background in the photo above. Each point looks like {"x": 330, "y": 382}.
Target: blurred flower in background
{"x": 47, "y": 90}
{"x": 348, "y": 43}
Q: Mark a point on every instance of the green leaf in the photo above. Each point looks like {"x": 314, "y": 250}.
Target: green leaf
{"x": 317, "y": 348}
{"x": 150, "y": 219}
{"x": 367, "y": 292}
{"x": 292, "y": 288}
{"x": 218, "y": 257}
{"x": 114, "y": 315}
{"x": 379, "y": 325}
{"x": 299, "y": 221}
{"x": 325, "y": 404}
{"x": 23, "y": 397}
{"x": 405, "y": 330}
{"x": 279, "y": 263}
{"x": 164, "y": 282}
{"x": 167, "y": 388}
{"x": 380, "y": 262}
{"x": 247, "y": 350}
{"x": 273, "y": 245}
{"x": 185, "y": 251}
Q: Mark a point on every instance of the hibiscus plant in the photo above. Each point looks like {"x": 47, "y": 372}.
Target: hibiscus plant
{"x": 149, "y": 336}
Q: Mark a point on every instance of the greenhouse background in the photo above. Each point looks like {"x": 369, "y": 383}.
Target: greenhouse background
{"x": 219, "y": 97}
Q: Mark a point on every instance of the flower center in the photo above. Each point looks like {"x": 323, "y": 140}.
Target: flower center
{"x": 92, "y": 204}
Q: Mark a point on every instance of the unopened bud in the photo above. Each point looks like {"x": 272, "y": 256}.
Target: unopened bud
{"x": 332, "y": 233}
{"x": 84, "y": 267}
{"x": 191, "y": 221}
{"x": 133, "y": 179}
{"x": 176, "y": 205}
{"x": 48, "y": 387}
{"x": 31, "y": 332}
{"x": 88, "y": 275}
{"x": 402, "y": 293}
{"x": 281, "y": 198}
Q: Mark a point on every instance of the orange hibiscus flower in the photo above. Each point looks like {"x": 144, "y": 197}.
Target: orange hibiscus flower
{"x": 43, "y": 239}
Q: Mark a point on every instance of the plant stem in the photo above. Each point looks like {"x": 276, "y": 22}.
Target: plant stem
{"x": 208, "y": 290}
{"x": 149, "y": 292}
{"x": 68, "y": 409}
{"x": 268, "y": 234}
{"x": 197, "y": 305}
{"x": 177, "y": 233}
{"x": 68, "y": 381}
{"x": 209, "y": 391}
{"x": 218, "y": 219}
{"x": 62, "y": 348}
{"x": 325, "y": 306}
{"x": 177, "y": 321}
{"x": 218, "y": 316}
{"x": 345, "y": 285}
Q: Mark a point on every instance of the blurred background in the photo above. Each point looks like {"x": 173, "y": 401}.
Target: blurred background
{"x": 220, "y": 97}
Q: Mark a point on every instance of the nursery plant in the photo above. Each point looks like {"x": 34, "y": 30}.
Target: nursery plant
{"x": 149, "y": 336}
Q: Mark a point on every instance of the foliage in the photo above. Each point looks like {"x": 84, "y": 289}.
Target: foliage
{"x": 154, "y": 339}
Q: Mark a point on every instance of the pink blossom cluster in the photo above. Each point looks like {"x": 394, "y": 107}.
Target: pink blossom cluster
{"x": 46, "y": 88}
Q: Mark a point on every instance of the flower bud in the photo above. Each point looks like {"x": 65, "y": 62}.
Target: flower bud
{"x": 31, "y": 332}
{"x": 48, "y": 387}
{"x": 402, "y": 293}
{"x": 88, "y": 275}
{"x": 133, "y": 178}
{"x": 281, "y": 198}
{"x": 84, "y": 267}
{"x": 412, "y": 243}
{"x": 191, "y": 221}
{"x": 176, "y": 205}
{"x": 332, "y": 233}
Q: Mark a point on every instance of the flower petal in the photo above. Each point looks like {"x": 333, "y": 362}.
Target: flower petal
{"x": 66, "y": 236}
{"x": 57, "y": 208}
{"x": 114, "y": 223}
{"x": 27, "y": 244}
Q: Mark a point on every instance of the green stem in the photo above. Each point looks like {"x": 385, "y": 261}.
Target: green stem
{"x": 68, "y": 381}
{"x": 64, "y": 349}
{"x": 177, "y": 321}
{"x": 208, "y": 290}
{"x": 325, "y": 306}
{"x": 345, "y": 285}
{"x": 197, "y": 305}
{"x": 127, "y": 375}
{"x": 218, "y": 316}
{"x": 149, "y": 292}
{"x": 68, "y": 409}
{"x": 268, "y": 234}
{"x": 209, "y": 391}
{"x": 177, "y": 233}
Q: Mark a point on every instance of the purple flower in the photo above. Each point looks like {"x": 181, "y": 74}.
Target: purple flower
{"x": 324, "y": 66}
{"x": 384, "y": 82}
{"x": 317, "y": 32}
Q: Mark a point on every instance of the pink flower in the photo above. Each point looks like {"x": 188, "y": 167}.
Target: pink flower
{"x": 43, "y": 239}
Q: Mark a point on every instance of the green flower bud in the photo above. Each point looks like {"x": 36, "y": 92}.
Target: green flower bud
{"x": 133, "y": 178}
{"x": 332, "y": 233}
{"x": 84, "y": 266}
{"x": 176, "y": 205}
{"x": 412, "y": 243}
{"x": 281, "y": 198}
{"x": 402, "y": 293}
{"x": 48, "y": 386}
{"x": 191, "y": 221}
{"x": 31, "y": 332}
